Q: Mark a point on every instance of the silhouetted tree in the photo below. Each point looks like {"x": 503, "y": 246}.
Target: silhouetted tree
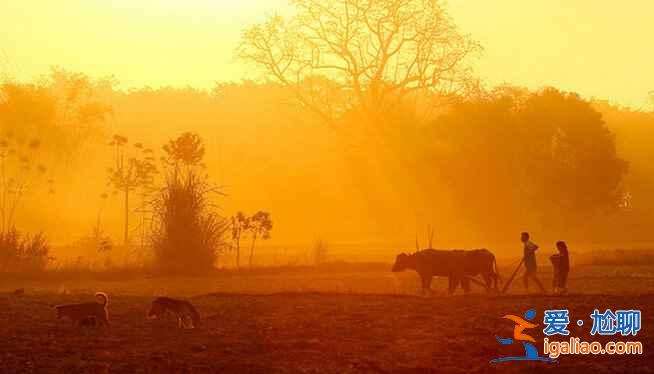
{"x": 260, "y": 225}
{"x": 189, "y": 234}
{"x": 63, "y": 109}
{"x": 129, "y": 173}
{"x": 184, "y": 152}
{"x": 79, "y": 111}
{"x": 240, "y": 225}
{"x": 98, "y": 239}
{"x": 544, "y": 158}
{"x": 20, "y": 170}
{"x": 634, "y": 132}
{"x": 362, "y": 55}
{"x": 146, "y": 187}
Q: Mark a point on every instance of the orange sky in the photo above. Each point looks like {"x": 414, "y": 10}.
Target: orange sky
{"x": 592, "y": 47}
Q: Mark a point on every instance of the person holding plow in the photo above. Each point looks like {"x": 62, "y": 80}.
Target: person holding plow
{"x": 529, "y": 259}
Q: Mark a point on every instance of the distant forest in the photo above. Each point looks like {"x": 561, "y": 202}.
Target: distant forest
{"x": 480, "y": 169}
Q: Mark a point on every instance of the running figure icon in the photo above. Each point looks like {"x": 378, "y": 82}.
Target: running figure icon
{"x": 531, "y": 354}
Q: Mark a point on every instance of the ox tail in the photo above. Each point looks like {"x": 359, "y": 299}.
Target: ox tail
{"x": 102, "y": 296}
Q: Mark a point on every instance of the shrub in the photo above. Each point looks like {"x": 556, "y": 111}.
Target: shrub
{"x": 189, "y": 236}
{"x": 25, "y": 253}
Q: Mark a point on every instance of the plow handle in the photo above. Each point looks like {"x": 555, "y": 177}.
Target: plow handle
{"x": 508, "y": 282}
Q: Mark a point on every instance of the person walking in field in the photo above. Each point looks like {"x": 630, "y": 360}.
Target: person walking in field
{"x": 561, "y": 266}
{"x": 530, "y": 262}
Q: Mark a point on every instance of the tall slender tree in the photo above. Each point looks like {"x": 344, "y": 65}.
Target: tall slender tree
{"x": 260, "y": 225}
{"x": 240, "y": 225}
{"x": 128, "y": 173}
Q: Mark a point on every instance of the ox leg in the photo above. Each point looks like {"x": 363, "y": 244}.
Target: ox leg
{"x": 465, "y": 284}
{"x": 426, "y": 285}
{"x": 452, "y": 282}
{"x": 488, "y": 279}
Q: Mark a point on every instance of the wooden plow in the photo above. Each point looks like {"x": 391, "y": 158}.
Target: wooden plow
{"x": 510, "y": 280}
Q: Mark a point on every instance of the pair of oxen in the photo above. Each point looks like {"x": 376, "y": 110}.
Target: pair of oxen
{"x": 460, "y": 266}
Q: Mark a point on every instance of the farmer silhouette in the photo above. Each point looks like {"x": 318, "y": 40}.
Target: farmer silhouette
{"x": 531, "y": 354}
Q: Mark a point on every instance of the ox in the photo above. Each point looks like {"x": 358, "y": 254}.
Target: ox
{"x": 458, "y": 265}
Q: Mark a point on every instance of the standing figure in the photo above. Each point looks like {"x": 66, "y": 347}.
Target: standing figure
{"x": 530, "y": 262}
{"x": 561, "y": 265}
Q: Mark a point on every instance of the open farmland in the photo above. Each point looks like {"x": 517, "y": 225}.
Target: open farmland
{"x": 364, "y": 321}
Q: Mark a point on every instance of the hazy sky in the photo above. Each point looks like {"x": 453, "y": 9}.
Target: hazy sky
{"x": 597, "y": 48}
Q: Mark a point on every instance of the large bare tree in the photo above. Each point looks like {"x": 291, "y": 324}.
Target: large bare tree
{"x": 361, "y": 55}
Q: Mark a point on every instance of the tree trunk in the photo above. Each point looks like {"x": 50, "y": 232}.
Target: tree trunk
{"x": 126, "y": 231}
{"x": 238, "y": 251}
{"x": 254, "y": 239}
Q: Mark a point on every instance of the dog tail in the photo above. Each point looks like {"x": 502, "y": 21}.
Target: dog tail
{"x": 102, "y": 296}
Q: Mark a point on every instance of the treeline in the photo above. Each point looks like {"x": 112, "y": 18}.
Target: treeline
{"x": 480, "y": 168}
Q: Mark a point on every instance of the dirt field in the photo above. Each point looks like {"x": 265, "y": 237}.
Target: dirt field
{"x": 321, "y": 323}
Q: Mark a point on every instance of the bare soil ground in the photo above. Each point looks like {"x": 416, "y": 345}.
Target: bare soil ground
{"x": 316, "y": 323}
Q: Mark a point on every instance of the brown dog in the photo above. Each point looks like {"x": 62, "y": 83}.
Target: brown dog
{"x": 80, "y": 313}
{"x": 187, "y": 315}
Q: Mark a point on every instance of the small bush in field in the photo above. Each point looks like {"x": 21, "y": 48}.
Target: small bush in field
{"x": 20, "y": 252}
{"x": 189, "y": 234}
